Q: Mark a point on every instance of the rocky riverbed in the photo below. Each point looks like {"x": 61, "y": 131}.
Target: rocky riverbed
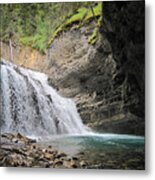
{"x": 19, "y": 151}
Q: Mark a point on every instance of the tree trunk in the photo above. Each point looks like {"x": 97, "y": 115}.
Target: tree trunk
{"x": 1, "y": 49}
{"x": 93, "y": 13}
{"x": 11, "y": 50}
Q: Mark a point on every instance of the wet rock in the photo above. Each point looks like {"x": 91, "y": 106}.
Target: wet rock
{"x": 18, "y": 141}
{"x": 32, "y": 141}
{"x": 70, "y": 164}
{"x": 58, "y": 163}
{"x": 7, "y": 135}
{"x": 48, "y": 156}
{"x": 83, "y": 164}
{"x": 33, "y": 155}
{"x": 75, "y": 158}
{"x": 73, "y": 164}
{"x": 60, "y": 154}
{"x": 19, "y": 136}
{"x": 66, "y": 163}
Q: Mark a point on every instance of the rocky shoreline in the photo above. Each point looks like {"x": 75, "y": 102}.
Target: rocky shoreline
{"x": 19, "y": 151}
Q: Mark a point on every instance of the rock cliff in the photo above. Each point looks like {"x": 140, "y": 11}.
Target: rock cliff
{"x": 107, "y": 79}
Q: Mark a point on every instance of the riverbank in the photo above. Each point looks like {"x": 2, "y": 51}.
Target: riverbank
{"x": 20, "y": 151}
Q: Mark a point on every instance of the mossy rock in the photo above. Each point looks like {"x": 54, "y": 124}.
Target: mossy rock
{"x": 93, "y": 38}
{"x": 78, "y": 19}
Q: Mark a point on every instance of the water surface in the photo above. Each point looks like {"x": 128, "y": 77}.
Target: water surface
{"x": 104, "y": 151}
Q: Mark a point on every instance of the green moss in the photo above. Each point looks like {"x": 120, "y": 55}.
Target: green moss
{"x": 79, "y": 18}
{"x": 55, "y": 34}
{"x": 97, "y": 11}
{"x": 92, "y": 39}
{"x": 99, "y": 21}
{"x": 81, "y": 12}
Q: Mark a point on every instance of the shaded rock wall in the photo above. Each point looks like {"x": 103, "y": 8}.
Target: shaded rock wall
{"x": 124, "y": 27}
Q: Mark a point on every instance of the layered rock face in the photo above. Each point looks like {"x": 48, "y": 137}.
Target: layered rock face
{"x": 84, "y": 73}
{"x": 106, "y": 80}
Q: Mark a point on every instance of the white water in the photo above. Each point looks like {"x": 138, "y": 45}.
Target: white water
{"x": 31, "y": 107}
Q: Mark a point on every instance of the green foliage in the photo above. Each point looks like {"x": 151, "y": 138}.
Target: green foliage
{"x": 38, "y": 41}
{"x": 32, "y": 24}
{"x": 80, "y": 17}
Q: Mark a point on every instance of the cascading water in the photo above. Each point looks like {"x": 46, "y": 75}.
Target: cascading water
{"x": 32, "y": 107}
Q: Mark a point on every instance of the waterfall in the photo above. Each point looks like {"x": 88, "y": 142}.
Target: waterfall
{"x": 33, "y": 108}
